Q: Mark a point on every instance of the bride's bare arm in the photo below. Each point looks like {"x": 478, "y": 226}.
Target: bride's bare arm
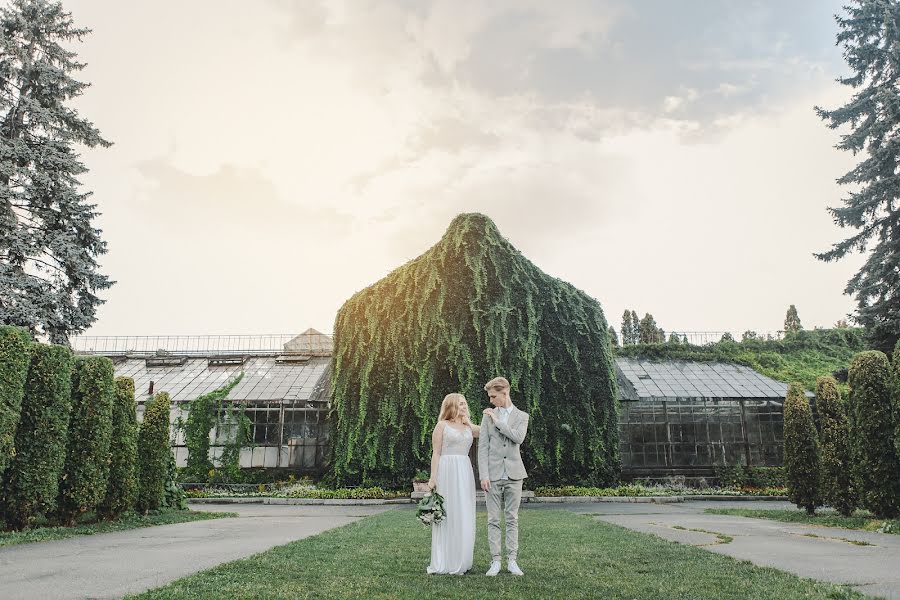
{"x": 437, "y": 440}
{"x": 476, "y": 429}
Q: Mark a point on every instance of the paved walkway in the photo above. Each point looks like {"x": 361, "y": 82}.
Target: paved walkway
{"x": 871, "y": 565}
{"x": 126, "y": 562}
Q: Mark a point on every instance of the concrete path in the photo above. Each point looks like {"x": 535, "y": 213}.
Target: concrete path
{"x": 870, "y": 562}
{"x": 126, "y": 562}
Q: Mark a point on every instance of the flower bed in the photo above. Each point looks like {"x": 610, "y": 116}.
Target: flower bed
{"x": 637, "y": 490}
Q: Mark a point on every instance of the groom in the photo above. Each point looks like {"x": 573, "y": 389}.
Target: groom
{"x": 503, "y": 429}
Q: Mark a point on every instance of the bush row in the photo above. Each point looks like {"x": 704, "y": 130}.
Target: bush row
{"x": 68, "y": 437}
{"x": 855, "y": 459}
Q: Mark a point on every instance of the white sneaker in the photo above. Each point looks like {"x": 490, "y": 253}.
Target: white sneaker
{"x": 494, "y": 570}
{"x": 513, "y": 568}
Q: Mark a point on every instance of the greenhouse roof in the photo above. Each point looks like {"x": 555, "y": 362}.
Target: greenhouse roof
{"x": 292, "y": 378}
{"x": 641, "y": 379}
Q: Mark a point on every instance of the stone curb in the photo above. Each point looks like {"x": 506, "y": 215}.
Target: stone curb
{"x": 529, "y": 500}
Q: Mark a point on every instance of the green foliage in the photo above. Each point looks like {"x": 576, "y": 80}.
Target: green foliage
{"x": 469, "y": 309}
{"x": 32, "y": 478}
{"x": 86, "y": 471}
{"x": 792, "y": 320}
{"x": 237, "y": 434}
{"x": 49, "y": 274}
{"x": 203, "y": 415}
{"x": 870, "y": 37}
{"x": 803, "y": 356}
{"x": 121, "y": 488}
{"x": 740, "y": 476}
{"x": 895, "y": 395}
{"x": 627, "y": 329}
{"x": 153, "y": 453}
{"x": 14, "y": 358}
{"x": 173, "y": 496}
{"x": 876, "y": 465}
{"x": 837, "y": 482}
{"x": 613, "y": 338}
{"x": 801, "y": 451}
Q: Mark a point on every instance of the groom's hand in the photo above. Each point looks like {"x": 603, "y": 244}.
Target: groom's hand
{"x": 486, "y": 485}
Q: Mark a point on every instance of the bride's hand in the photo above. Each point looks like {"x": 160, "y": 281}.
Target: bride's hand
{"x": 431, "y": 484}
{"x": 489, "y": 413}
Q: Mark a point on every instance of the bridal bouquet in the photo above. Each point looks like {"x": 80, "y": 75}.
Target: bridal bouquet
{"x": 431, "y": 509}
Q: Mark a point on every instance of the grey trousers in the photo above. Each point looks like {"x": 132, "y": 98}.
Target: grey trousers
{"x": 505, "y": 494}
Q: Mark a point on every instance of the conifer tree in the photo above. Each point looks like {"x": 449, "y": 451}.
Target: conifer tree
{"x": 792, "y": 320}
{"x": 801, "y": 451}
{"x": 875, "y": 461}
{"x": 613, "y": 338}
{"x": 837, "y": 481}
{"x": 869, "y": 34}
{"x": 635, "y": 328}
{"x": 627, "y": 339}
{"x": 49, "y": 275}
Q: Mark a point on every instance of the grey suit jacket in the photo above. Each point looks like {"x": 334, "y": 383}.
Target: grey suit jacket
{"x": 498, "y": 446}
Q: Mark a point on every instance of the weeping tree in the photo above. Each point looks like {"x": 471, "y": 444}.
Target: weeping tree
{"x": 469, "y": 309}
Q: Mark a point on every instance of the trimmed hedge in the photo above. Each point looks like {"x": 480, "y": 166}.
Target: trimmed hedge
{"x": 801, "y": 450}
{"x": 837, "y": 481}
{"x": 14, "y": 358}
{"x": 86, "y": 472}
{"x": 740, "y": 476}
{"x": 153, "y": 453}
{"x": 895, "y": 395}
{"x": 32, "y": 484}
{"x": 877, "y": 467}
{"x": 121, "y": 488}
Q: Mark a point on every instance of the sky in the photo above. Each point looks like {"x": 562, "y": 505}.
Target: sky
{"x": 272, "y": 158}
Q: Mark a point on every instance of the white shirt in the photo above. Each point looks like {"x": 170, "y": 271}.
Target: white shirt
{"x": 504, "y": 417}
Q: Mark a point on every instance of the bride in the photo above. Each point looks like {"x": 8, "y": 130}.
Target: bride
{"x": 453, "y": 539}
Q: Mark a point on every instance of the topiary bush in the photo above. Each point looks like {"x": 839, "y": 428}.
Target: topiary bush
{"x": 876, "y": 464}
{"x": 86, "y": 471}
{"x": 121, "y": 488}
{"x": 153, "y": 453}
{"x": 469, "y": 309}
{"x": 32, "y": 478}
{"x": 14, "y": 358}
{"x": 837, "y": 481}
{"x": 801, "y": 451}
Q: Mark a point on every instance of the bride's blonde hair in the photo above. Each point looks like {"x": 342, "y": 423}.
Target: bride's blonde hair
{"x": 450, "y": 407}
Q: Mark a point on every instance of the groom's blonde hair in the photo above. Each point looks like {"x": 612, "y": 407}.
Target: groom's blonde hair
{"x": 498, "y": 384}
{"x": 450, "y": 407}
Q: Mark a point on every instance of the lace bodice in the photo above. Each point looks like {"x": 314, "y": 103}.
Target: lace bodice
{"x": 456, "y": 442}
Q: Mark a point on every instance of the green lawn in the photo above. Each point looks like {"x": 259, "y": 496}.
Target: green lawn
{"x": 90, "y": 527}
{"x": 859, "y": 520}
{"x": 564, "y": 555}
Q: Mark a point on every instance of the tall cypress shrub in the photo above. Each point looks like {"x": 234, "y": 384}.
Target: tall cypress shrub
{"x": 83, "y": 482}
{"x": 895, "y": 395}
{"x": 153, "y": 453}
{"x": 469, "y": 309}
{"x": 801, "y": 451}
{"x": 14, "y": 359}
{"x": 837, "y": 480}
{"x": 32, "y": 482}
{"x": 877, "y": 468}
{"x": 121, "y": 488}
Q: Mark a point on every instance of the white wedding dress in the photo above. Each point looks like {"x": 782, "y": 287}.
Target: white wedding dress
{"x": 453, "y": 539}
